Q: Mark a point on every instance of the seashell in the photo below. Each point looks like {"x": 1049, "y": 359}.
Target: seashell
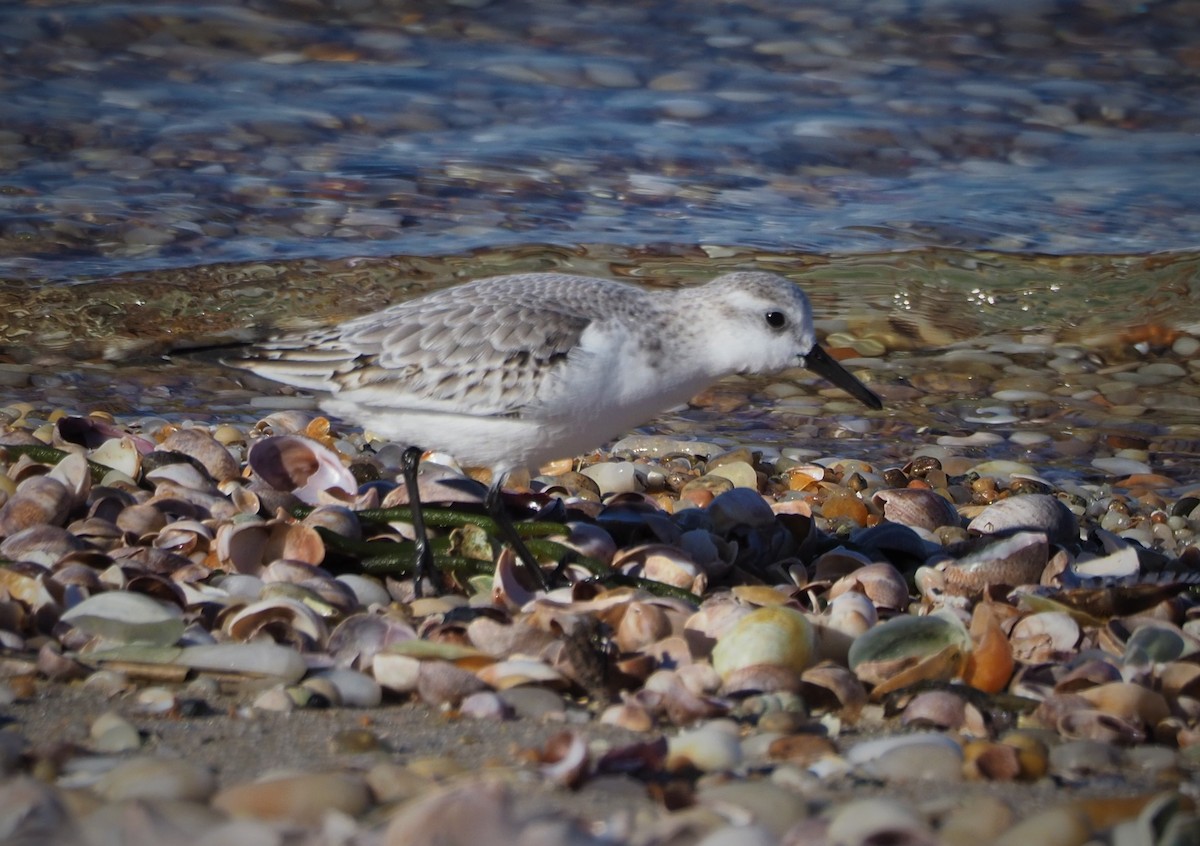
{"x": 881, "y": 583}
{"x": 206, "y": 449}
{"x": 710, "y": 622}
{"x": 838, "y": 562}
{"x": 181, "y": 474}
{"x": 832, "y": 687}
{"x": 990, "y": 663}
{"x": 713, "y": 747}
{"x": 514, "y": 672}
{"x": 1120, "y": 564}
{"x": 41, "y": 544}
{"x": 336, "y": 518}
{"x": 300, "y": 466}
{"x": 662, "y": 563}
{"x": 1045, "y": 636}
{"x": 565, "y": 759}
{"x": 1029, "y": 512}
{"x": 281, "y": 619}
{"x": 75, "y": 475}
{"x": 905, "y": 650}
{"x": 591, "y": 541}
{"x": 938, "y": 709}
{"x": 468, "y": 811}
{"x": 983, "y": 759}
{"x": 1016, "y": 559}
{"x": 441, "y": 683}
{"x": 140, "y": 520}
{"x": 741, "y": 506}
{"x": 438, "y": 482}
{"x": 286, "y": 422}
{"x": 629, "y": 715}
{"x": 641, "y": 624}
{"x": 894, "y": 542}
{"x": 665, "y": 692}
{"x": 120, "y": 454}
{"x": 37, "y": 500}
{"x": 128, "y": 618}
{"x": 1094, "y": 724}
{"x": 184, "y": 537}
{"x": 866, "y": 821}
{"x": 848, "y": 616}
{"x": 766, "y": 650}
{"x": 918, "y": 508}
{"x": 1134, "y": 703}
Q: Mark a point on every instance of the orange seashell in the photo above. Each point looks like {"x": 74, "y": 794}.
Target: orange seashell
{"x": 990, "y": 664}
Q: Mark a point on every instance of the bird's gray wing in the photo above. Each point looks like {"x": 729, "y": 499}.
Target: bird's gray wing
{"x": 457, "y": 354}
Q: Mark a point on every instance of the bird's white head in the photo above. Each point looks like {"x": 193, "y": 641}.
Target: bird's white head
{"x": 769, "y": 326}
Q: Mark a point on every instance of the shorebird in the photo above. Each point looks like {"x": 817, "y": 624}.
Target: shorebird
{"x": 513, "y": 371}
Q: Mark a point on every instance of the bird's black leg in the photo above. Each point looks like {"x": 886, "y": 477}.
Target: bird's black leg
{"x": 494, "y": 502}
{"x": 425, "y": 568}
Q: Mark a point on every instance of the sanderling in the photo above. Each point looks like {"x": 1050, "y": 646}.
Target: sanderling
{"x": 512, "y": 371}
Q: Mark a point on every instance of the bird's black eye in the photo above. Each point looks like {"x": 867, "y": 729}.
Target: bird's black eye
{"x": 776, "y": 319}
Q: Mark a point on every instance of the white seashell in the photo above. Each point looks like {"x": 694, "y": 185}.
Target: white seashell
{"x": 713, "y": 747}
{"x": 503, "y": 675}
{"x": 184, "y": 475}
{"x": 301, "y": 466}
{"x": 269, "y": 616}
{"x": 662, "y": 563}
{"x": 128, "y": 618}
{"x": 120, "y": 454}
{"x": 1029, "y": 512}
{"x": 917, "y": 508}
{"x": 259, "y": 658}
{"x": 866, "y": 821}
{"x": 881, "y": 583}
{"x": 75, "y": 475}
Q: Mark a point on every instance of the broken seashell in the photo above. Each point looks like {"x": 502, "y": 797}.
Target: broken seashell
{"x": 300, "y": 466}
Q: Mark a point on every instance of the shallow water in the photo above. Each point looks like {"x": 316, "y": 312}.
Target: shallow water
{"x": 992, "y": 208}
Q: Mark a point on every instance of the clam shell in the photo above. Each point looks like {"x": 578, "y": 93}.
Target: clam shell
{"x": 1029, "y": 512}
{"x": 37, "y": 500}
{"x": 206, "y": 449}
{"x": 918, "y": 508}
{"x": 767, "y": 649}
{"x": 881, "y": 583}
{"x": 905, "y": 650}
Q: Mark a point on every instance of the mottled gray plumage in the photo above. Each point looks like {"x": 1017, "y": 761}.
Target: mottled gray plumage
{"x": 514, "y": 370}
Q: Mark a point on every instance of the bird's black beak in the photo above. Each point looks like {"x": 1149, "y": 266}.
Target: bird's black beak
{"x": 821, "y": 363}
